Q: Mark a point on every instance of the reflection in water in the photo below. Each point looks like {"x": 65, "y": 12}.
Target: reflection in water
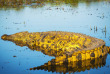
{"x": 41, "y": 19}
{"x": 104, "y": 31}
{"x": 72, "y": 67}
{"x": 40, "y": 3}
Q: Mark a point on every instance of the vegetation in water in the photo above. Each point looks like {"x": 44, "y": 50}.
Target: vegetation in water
{"x": 39, "y": 3}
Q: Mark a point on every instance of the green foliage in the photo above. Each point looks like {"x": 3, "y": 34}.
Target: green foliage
{"x": 39, "y": 3}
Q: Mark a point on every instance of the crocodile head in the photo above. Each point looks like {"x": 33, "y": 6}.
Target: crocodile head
{"x": 18, "y": 38}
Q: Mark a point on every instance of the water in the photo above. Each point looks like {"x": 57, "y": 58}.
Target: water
{"x": 81, "y": 17}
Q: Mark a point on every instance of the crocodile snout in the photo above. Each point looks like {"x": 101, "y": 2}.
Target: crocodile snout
{"x": 4, "y": 37}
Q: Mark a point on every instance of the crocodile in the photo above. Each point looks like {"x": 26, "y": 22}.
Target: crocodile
{"x": 64, "y": 46}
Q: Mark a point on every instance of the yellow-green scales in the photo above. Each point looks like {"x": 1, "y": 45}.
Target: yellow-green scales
{"x": 65, "y": 46}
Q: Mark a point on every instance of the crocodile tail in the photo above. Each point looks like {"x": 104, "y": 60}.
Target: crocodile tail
{"x": 90, "y": 54}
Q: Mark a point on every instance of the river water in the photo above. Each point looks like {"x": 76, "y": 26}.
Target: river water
{"x": 81, "y": 16}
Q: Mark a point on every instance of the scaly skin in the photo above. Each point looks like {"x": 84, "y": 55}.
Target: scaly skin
{"x": 63, "y": 45}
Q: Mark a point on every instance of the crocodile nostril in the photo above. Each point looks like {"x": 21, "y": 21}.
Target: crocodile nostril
{"x": 4, "y": 37}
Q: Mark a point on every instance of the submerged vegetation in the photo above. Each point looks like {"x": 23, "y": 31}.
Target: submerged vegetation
{"x": 39, "y": 3}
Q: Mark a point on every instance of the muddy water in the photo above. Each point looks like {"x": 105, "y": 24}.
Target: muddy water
{"x": 81, "y": 16}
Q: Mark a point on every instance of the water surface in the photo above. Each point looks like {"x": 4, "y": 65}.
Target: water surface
{"x": 81, "y": 16}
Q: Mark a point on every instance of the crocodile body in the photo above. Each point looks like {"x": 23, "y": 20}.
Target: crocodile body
{"x": 65, "y": 46}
